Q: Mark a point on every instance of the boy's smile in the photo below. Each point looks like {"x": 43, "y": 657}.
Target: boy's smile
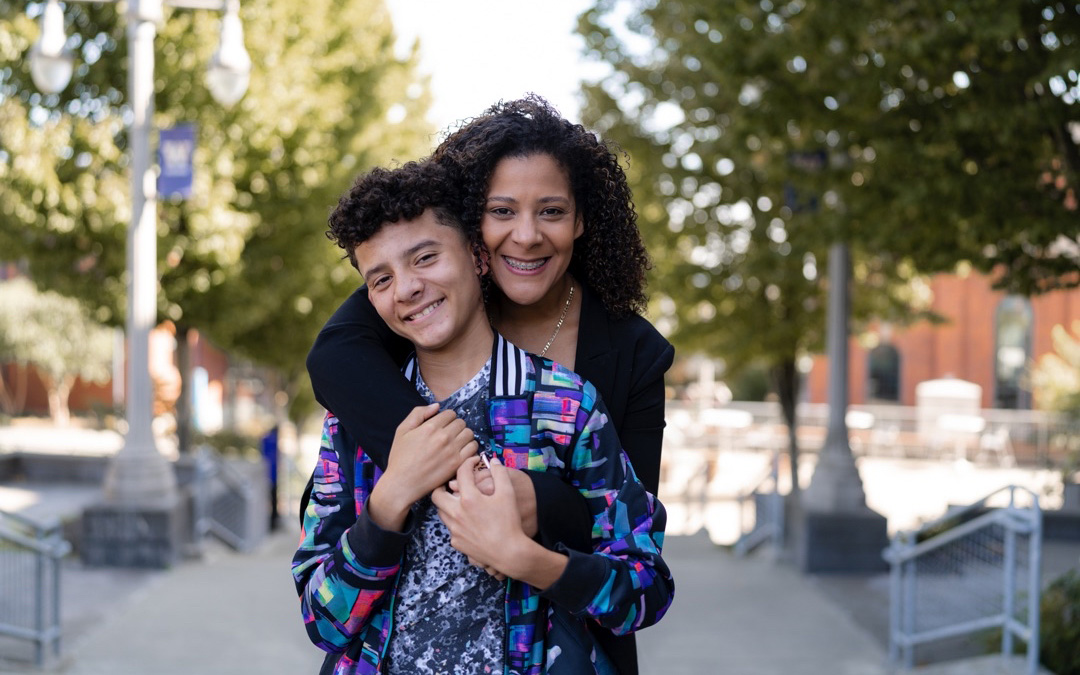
{"x": 423, "y": 281}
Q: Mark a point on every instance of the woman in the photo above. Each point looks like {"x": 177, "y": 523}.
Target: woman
{"x": 556, "y": 215}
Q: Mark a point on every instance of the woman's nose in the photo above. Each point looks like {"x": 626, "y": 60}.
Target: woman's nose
{"x": 527, "y": 231}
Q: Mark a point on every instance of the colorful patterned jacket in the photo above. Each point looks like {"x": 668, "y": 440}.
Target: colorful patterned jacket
{"x": 545, "y": 418}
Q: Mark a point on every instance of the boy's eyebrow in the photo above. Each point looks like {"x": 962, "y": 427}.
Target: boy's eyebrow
{"x": 408, "y": 253}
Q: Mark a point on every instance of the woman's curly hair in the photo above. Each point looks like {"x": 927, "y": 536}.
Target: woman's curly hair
{"x": 610, "y": 256}
{"x": 384, "y": 196}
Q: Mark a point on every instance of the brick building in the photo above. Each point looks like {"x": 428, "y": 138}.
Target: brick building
{"x": 989, "y": 339}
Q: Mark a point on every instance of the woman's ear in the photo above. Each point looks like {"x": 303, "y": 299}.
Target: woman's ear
{"x": 579, "y": 226}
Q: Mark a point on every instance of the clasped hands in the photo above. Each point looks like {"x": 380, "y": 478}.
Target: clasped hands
{"x": 434, "y": 453}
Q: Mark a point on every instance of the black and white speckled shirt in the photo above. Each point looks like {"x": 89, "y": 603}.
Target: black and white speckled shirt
{"x": 449, "y": 615}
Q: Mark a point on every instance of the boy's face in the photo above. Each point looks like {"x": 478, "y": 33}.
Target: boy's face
{"x": 423, "y": 281}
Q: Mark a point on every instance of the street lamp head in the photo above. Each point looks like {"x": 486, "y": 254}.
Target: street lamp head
{"x": 51, "y": 64}
{"x": 230, "y": 66}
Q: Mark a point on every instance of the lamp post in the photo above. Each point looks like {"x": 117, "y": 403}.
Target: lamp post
{"x": 139, "y": 475}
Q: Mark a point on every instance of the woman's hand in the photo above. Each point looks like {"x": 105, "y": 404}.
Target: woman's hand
{"x": 487, "y": 528}
{"x": 481, "y": 513}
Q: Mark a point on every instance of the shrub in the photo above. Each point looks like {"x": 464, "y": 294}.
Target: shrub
{"x": 1059, "y": 617}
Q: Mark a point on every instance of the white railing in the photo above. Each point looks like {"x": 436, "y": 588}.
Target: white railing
{"x": 971, "y": 571}
{"x": 230, "y": 501}
{"x": 30, "y": 554}
{"x": 768, "y": 520}
{"x": 997, "y": 436}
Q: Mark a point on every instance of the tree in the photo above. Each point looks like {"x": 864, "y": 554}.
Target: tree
{"x": 55, "y": 335}
{"x": 734, "y": 184}
{"x": 919, "y": 133}
{"x": 244, "y": 260}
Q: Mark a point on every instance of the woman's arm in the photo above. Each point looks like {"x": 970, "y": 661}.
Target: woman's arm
{"x": 345, "y": 564}
{"x": 355, "y": 369}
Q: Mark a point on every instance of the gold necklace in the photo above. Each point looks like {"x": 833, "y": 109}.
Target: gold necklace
{"x": 562, "y": 317}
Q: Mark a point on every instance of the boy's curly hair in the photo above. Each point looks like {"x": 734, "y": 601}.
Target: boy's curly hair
{"x": 384, "y": 196}
{"x": 610, "y": 256}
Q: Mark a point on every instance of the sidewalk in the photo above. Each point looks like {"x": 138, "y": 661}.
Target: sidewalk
{"x": 231, "y": 613}
{"x": 235, "y": 613}
{"x": 750, "y": 616}
{"x": 238, "y": 613}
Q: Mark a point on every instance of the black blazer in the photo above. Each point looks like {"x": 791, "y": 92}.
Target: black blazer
{"x": 354, "y": 367}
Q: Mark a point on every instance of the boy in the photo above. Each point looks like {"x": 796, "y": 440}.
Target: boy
{"x": 385, "y": 585}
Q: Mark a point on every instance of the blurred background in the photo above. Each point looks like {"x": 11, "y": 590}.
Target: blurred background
{"x": 937, "y": 143}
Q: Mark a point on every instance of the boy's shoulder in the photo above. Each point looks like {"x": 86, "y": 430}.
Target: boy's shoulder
{"x": 556, "y": 379}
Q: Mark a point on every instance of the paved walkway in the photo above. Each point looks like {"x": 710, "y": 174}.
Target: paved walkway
{"x": 231, "y": 613}
{"x": 237, "y": 613}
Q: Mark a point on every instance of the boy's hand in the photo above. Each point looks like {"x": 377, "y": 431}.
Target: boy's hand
{"x": 428, "y": 448}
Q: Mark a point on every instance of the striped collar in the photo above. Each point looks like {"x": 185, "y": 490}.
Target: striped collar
{"x": 509, "y": 368}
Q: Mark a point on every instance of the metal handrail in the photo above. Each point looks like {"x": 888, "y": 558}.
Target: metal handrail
{"x": 906, "y": 550}
{"x": 47, "y": 547}
{"x": 213, "y": 508}
{"x": 772, "y": 525}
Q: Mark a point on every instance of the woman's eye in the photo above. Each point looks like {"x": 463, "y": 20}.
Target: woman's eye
{"x": 552, "y": 212}
{"x": 500, "y": 211}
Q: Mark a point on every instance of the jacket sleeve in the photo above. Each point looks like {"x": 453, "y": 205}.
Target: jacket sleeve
{"x": 354, "y": 367}
{"x": 624, "y": 583}
{"x": 345, "y": 565}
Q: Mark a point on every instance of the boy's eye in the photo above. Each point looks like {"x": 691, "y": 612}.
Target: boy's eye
{"x": 380, "y": 281}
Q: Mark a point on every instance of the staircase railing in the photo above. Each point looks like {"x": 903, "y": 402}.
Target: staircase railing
{"x": 768, "y": 523}
{"x": 30, "y": 554}
{"x": 230, "y": 502}
{"x": 973, "y": 570}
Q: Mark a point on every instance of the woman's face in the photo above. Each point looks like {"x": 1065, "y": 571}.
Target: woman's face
{"x": 529, "y": 226}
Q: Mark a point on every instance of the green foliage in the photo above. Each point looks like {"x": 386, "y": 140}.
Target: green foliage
{"x": 1055, "y": 378}
{"x": 738, "y": 178}
{"x": 1059, "y": 617}
{"x": 244, "y": 260}
{"x": 936, "y": 131}
{"x": 54, "y": 334}
{"x": 751, "y": 384}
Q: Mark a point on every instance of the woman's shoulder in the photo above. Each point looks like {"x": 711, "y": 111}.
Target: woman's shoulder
{"x": 633, "y": 333}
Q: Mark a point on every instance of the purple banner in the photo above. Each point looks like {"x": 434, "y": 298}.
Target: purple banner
{"x": 176, "y": 148}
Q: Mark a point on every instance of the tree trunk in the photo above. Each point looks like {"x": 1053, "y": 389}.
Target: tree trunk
{"x": 58, "y": 393}
{"x": 785, "y": 378}
{"x": 183, "y": 403}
